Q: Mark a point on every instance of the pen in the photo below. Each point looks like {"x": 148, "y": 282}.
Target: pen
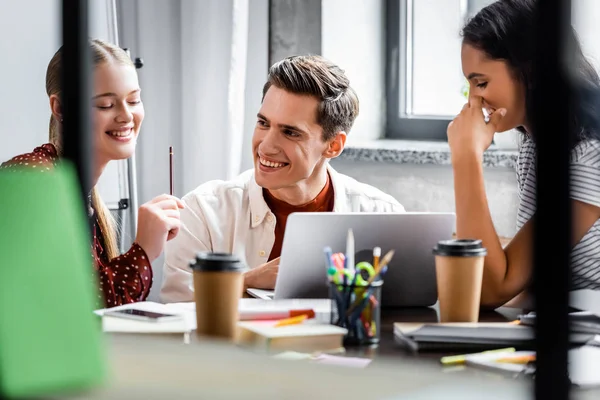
{"x": 351, "y": 287}
{"x": 357, "y": 302}
{"x": 460, "y": 359}
{"x": 338, "y": 260}
{"x": 350, "y": 250}
{"x": 171, "y": 191}
{"x": 328, "y": 257}
{"x": 291, "y": 321}
{"x": 332, "y": 272}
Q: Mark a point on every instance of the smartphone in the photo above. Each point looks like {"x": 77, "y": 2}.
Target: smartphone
{"x": 141, "y": 315}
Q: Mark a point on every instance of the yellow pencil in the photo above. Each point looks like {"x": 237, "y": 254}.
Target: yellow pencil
{"x": 291, "y": 321}
{"x": 376, "y": 255}
{"x": 384, "y": 261}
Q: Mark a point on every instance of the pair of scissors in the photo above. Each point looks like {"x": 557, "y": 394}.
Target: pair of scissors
{"x": 364, "y": 271}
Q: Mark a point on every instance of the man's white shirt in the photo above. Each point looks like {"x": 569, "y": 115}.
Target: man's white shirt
{"x": 233, "y": 217}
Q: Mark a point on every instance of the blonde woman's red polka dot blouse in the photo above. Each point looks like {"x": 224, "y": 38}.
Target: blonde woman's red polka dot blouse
{"x": 124, "y": 279}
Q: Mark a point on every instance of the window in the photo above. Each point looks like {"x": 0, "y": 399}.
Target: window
{"x": 425, "y": 84}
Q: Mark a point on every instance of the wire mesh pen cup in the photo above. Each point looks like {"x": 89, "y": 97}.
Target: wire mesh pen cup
{"x": 358, "y": 309}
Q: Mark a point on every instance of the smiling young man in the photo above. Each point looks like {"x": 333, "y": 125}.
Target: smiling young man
{"x": 307, "y": 110}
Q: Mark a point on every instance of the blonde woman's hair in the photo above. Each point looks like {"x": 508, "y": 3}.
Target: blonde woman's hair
{"x": 102, "y": 53}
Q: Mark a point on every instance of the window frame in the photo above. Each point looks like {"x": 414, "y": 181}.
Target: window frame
{"x": 399, "y": 20}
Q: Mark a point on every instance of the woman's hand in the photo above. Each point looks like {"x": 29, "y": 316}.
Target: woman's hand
{"x": 468, "y": 133}
{"x": 158, "y": 222}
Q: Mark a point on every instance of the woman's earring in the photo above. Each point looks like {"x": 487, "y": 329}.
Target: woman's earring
{"x": 61, "y": 120}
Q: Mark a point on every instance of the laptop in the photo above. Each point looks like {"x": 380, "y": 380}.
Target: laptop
{"x": 410, "y": 280}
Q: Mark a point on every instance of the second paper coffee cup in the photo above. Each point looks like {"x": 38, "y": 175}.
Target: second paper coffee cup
{"x": 218, "y": 285}
{"x": 459, "y": 272}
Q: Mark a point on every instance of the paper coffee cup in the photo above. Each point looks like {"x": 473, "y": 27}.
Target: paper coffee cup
{"x": 218, "y": 285}
{"x": 459, "y": 273}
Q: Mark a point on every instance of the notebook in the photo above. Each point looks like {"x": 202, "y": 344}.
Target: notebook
{"x": 306, "y": 337}
{"x": 469, "y": 336}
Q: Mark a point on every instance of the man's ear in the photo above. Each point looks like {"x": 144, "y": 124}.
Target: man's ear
{"x": 335, "y": 145}
{"x": 56, "y": 107}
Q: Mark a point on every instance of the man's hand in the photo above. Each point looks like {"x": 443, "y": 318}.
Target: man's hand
{"x": 262, "y": 277}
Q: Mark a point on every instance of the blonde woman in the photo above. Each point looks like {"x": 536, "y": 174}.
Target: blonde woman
{"x": 117, "y": 116}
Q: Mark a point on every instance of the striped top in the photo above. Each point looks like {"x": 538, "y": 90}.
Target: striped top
{"x": 585, "y": 187}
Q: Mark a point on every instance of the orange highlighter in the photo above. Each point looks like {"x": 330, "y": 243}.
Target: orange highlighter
{"x": 517, "y": 359}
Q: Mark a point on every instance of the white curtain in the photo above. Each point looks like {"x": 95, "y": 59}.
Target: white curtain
{"x": 194, "y": 89}
{"x": 193, "y": 84}
{"x": 213, "y": 73}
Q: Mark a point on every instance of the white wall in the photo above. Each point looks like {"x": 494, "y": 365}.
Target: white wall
{"x": 185, "y": 48}
{"x": 430, "y": 188}
{"x": 29, "y": 40}
{"x": 256, "y": 72}
{"x": 585, "y": 19}
{"x": 353, "y": 38}
{"x": 34, "y": 38}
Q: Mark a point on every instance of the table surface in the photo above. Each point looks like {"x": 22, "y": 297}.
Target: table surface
{"x": 149, "y": 367}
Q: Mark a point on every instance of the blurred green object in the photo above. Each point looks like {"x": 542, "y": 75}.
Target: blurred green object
{"x": 465, "y": 90}
{"x": 50, "y": 341}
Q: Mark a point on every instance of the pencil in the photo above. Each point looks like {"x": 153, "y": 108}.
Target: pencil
{"x": 376, "y": 255}
{"x": 171, "y": 191}
{"x": 517, "y": 359}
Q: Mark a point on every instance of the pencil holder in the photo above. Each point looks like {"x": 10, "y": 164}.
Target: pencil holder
{"x": 358, "y": 309}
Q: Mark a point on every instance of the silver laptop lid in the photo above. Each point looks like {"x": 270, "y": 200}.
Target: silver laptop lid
{"x": 410, "y": 280}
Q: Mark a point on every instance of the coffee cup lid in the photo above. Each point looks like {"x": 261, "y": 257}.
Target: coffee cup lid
{"x": 214, "y": 261}
{"x": 460, "y": 248}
